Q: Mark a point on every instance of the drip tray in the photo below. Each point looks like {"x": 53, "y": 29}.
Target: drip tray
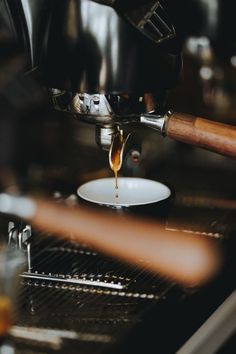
{"x": 73, "y": 296}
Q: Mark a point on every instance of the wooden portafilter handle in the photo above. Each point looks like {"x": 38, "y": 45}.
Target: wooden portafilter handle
{"x": 213, "y": 136}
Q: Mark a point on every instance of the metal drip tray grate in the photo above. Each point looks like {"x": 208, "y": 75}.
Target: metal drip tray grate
{"x": 74, "y": 266}
{"x": 80, "y": 297}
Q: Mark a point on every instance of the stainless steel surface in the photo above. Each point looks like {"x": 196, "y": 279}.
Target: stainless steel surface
{"x": 93, "y": 108}
{"x": 32, "y": 11}
{"x": 152, "y": 20}
{"x": 108, "y": 113}
{"x": 215, "y": 331}
{"x": 154, "y": 121}
{"x": 53, "y": 338}
{"x": 149, "y": 17}
{"x": 90, "y": 48}
{"x": 84, "y": 49}
{"x": 104, "y": 136}
{"x": 96, "y": 104}
{"x": 70, "y": 280}
{"x": 20, "y": 237}
{"x": 83, "y": 46}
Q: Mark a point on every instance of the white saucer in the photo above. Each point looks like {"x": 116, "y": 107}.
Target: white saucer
{"x": 132, "y": 191}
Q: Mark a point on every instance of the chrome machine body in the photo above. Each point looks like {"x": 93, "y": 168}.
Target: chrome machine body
{"x": 99, "y": 59}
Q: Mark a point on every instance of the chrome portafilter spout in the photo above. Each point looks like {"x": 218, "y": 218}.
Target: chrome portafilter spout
{"x": 109, "y": 113}
{"x": 155, "y": 121}
{"x": 105, "y": 135}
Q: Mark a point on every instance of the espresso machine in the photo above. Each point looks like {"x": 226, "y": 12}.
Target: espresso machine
{"x": 113, "y": 64}
{"x": 90, "y": 55}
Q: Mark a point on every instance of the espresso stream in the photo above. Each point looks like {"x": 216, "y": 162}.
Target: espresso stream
{"x": 116, "y": 157}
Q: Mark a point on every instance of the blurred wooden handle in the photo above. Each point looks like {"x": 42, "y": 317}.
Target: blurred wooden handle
{"x": 217, "y": 137}
{"x": 188, "y": 259}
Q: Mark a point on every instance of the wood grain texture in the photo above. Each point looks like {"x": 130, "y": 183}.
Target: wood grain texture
{"x": 213, "y": 136}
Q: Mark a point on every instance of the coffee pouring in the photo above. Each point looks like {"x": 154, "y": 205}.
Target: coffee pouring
{"x": 101, "y": 63}
{"x": 124, "y": 81}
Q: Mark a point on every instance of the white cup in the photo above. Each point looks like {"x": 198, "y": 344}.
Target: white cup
{"x": 132, "y": 192}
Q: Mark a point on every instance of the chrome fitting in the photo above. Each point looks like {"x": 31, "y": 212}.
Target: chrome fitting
{"x": 154, "y": 121}
{"x": 104, "y": 135}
